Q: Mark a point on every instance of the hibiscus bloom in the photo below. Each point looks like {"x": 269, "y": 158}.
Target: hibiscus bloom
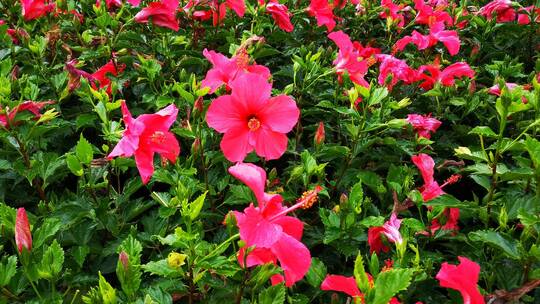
{"x": 33, "y": 9}
{"x": 390, "y": 229}
{"x": 428, "y": 15}
{"x": 394, "y": 11}
{"x": 281, "y": 15}
{"x": 349, "y": 59}
{"x": 275, "y": 236}
{"x": 495, "y": 90}
{"x": 23, "y": 236}
{"x": 225, "y": 70}
{"x": 446, "y": 77}
{"x": 396, "y": 68}
{"x": 463, "y": 278}
{"x": 7, "y": 120}
{"x": 101, "y": 75}
{"x": 436, "y": 34}
{"x": 348, "y": 286}
{"x": 146, "y": 135}
{"x": 163, "y": 13}
{"x": 251, "y": 119}
{"x": 424, "y": 125}
{"x": 502, "y": 8}
{"x": 323, "y": 12}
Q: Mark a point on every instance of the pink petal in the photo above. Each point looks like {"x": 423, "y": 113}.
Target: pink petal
{"x": 235, "y": 144}
{"x": 23, "y": 236}
{"x": 280, "y": 114}
{"x": 253, "y": 176}
{"x": 270, "y": 144}
{"x": 238, "y": 6}
{"x": 291, "y": 226}
{"x": 256, "y": 230}
{"x": 224, "y": 114}
{"x": 294, "y": 258}
{"x": 463, "y": 278}
{"x": 144, "y": 160}
{"x": 341, "y": 283}
{"x": 425, "y": 164}
{"x": 251, "y": 92}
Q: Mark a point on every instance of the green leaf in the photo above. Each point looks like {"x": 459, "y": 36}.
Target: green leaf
{"x": 47, "y": 230}
{"x": 495, "y": 239}
{"x": 389, "y": 283}
{"x": 533, "y": 147}
{"x": 130, "y": 276}
{"x": 107, "y": 292}
{"x": 79, "y": 254}
{"x": 483, "y": 130}
{"x": 8, "y": 268}
{"x": 360, "y": 274}
{"x": 84, "y": 151}
{"x": 317, "y": 273}
{"x": 161, "y": 268}
{"x": 51, "y": 262}
{"x": 446, "y": 200}
{"x": 273, "y": 295}
{"x": 196, "y": 206}
{"x": 356, "y": 197}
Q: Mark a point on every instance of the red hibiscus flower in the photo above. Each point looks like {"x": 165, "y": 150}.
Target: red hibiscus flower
{"x": 396, "y": 68}
{"x": 33, "y": 9}
{"x": 101, "y": 75}
{"x": 7, "y": 120}
{"x": 348, "y": 286}
{"x": 162, "y": 13}
{"x": 463, "y": 278}
{"x": 424, "y": 125}
{"x": 275, "y": 236}
{"x": 23, "y": 236}
{"x": 225, "y": 70}
{"x": 390, "y": 229}
{"x": 323, "y": 12}
{"x": 502, "y": 8}
{"x": 281, "y": 15}
{"x": 349, "y": 59}
{"x": 394, "y": 11}
{"x": 428, "y": 15}
{"x": 437, "y": 33}
{"x": 146, "y": 135}
{"x": 446, "y": 77}
{"x": 251, "y": 119}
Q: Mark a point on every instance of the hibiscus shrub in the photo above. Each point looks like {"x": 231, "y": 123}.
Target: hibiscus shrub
{"x": 233, "y": 151}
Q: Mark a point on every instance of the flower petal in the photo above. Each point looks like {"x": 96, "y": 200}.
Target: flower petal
{"x": 235, "y": 145}
{"x": 144, "y": 159}
{"x": 341, "y": 283}
{"x": 280, "y": 114}
{"x": 294, "y": 258}
{"x": 253, "y": 176}
{"x": 256, "y": 230}
{"x": 270, "y": 144}
{"x": 224, "y": 114}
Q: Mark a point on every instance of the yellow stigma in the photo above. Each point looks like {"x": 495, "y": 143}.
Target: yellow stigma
{"x": 254, "y": 124}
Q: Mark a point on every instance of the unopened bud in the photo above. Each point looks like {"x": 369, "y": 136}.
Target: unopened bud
{"x": 198, "y": 106}
{"x": 124, "y": 259}
{"x": 196, "y": 146}
{"x": 320, "y": 134}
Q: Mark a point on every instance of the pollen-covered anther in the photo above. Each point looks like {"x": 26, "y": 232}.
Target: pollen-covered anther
{"x": 309, "y": 198}
{"x": 158, "y": 137}
{"x": 254, "y": 124}
{"x": 453, "y": 179}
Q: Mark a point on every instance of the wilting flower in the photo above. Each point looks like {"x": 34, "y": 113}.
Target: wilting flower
{"x": 33, "y": 9}
{"x": 323, "y": 12}
{"x": 251, "y": 119}
{"x": 23, "y": 236}
{"x": 162, "y": 13}
{"x": 146, "y": 135}
{"x": 450, "y": 39}
{"x": 281, "y": 15}
{"x": 396, "y": 68}
{"x": 424, "y": 125}
{"x": 349, "y": 59}
{"x": 502, "y": 8}
{"x": 446, "y": 77}
{"x": 319, "y": 134}
{"x": 275, "y": 236}
{"x": 225, "y": 70}
{"x": 7, "y": 120}
{"x": 463, "y": 278}
{"x": 390, "y": 229}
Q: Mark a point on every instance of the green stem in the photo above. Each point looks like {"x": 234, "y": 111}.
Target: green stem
{"x": 219, "y": 247}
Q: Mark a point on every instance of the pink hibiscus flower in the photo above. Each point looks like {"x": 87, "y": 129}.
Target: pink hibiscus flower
{"x": 33, "y": 9}
{"x": 323, "y": 12}
{"x": 394, "y": 12}
{"x": 251, "y": 119}
{"x": 437, "y": 33}
{"x": 446, "y": 77}
{"x": 275, "y": 236}
{"x": 424, "y": 125}
{"x": 502, "y": 8}
{"x": 463, "y": 278}
{"x": 23, "y": 236}
{"x": 281, "y": 15}
{"x": 495, "y": 90}
{"x": 428, "y": 15}
{"x": 162, "y": 13}
{"x": 225, "y": 70}
{"x": 452, "y": 217}
{"x": 349, "y": 59}
{"x": 397, "y": 68}
{"x": 390, "y": 229}
{"x": 348, "y": 286}
{"x": 7, "y": 120}
{"x": 146, "y": 135}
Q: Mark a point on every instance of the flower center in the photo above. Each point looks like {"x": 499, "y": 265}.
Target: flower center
{"x": 158, "y": 137}
{"x": 254, "y": 124}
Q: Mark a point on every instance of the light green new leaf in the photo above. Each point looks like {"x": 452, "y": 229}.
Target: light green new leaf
{"x": 389, "y": 283}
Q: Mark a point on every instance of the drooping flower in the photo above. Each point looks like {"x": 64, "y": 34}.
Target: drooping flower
{"x": 146, "y": 135}
{"x": 251, "y": 119}
{"x": 267, "y": 227}
{"x": 396, "y": 68}
{"x": 390, "y": 229}
{"x": 162, "y": 13}
{"x": 101, "y": 75}
{"x": 349, "y": 59}
{"x": 7, "y": 120}
{"x": 33, "y": 9}
{"x": 225, "y": 70}
{"x": 463, "y": 278}
{"x": 323, "y": 12}
{"x": 281, "y": 15}
{"x": 424, "y": 125}
{"x": 502, "y": 8}
{"x": 446, "y": 77}
{"x": 23, "y": 236}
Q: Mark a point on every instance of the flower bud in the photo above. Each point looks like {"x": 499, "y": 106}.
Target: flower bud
{"x": 23, "y": 237}
{"x": 319, "y": 135}
{"x": 124, "y": 259}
